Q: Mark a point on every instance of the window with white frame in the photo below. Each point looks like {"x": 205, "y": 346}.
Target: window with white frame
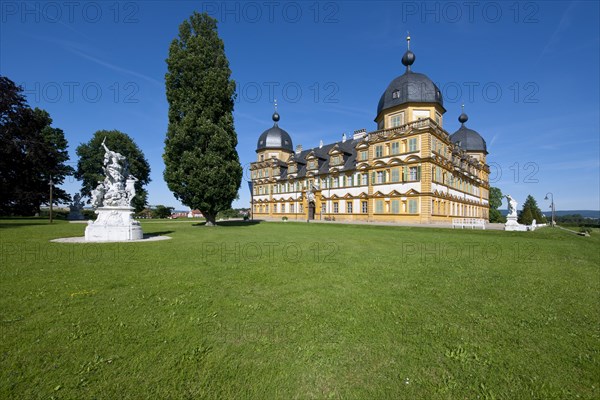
{"x": 396, "y": 120}
{"x": 395, "y": 206}
{"x": 412, "y": 206}
{"x": 413, "y": 173}
{"x": 412, "y": 144}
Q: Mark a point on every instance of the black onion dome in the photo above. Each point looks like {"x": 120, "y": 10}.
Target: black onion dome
{"x": 408, "y": 59}
{"x": 275, "y": 138}
{"x": 468, "y": 139}
{"x": 410, "y": 87}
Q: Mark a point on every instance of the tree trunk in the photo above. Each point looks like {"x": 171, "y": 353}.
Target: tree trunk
{"x": 211, "y": 219}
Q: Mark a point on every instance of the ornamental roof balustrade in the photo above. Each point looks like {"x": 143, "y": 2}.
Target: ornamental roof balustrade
{"x": 420, "y": 124}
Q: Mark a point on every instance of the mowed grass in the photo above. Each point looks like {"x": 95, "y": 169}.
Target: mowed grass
{"x": 295, "y": 310}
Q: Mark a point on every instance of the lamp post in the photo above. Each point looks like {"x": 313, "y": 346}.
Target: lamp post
{"x": 251, "y": 187}
{"x": 51, "y": 184}
{"x": 551, "y": 205}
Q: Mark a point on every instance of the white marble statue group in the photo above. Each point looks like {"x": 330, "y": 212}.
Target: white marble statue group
{"x": 511, "y": 219}
{"x": 512, "y": 206}
{"x": 117, "y": 189}
{"x": 112, "y": 201}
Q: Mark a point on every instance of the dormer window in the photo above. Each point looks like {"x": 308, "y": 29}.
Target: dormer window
{"x": 312, "y": 164}
{"x": 292, "y": 168}
{"x": 336, "y": 160}
{"x": 396, "y": 94}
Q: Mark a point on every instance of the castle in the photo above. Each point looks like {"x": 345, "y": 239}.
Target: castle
{"x": 408, "y": 170}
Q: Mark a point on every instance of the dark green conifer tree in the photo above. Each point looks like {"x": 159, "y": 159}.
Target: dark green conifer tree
{"x": 530, "y": 212}
{"x": 202, "y": 165}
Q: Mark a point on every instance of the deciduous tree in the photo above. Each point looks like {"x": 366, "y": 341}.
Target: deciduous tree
{"x": 32, "y": 153}
{"x": 162, "y": 211}
{"x": 495, "y": 202}
{"x": 91, "y": 158}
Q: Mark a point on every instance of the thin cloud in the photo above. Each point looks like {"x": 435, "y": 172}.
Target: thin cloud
{"x": 249, "y": 117}
{"x": 585, "y": 165}
{"x": 116, "y": 67}
{"x": 78, "y": 49}
{"x": 563, "y": 25}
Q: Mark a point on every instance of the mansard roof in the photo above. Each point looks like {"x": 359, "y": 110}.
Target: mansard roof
{"x": 322, "y": 154}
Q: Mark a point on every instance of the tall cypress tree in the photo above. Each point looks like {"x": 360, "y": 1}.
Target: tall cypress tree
{"x": 202, "y": 164}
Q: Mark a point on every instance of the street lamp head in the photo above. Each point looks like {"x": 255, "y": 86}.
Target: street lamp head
{"x": 546, "y": 198}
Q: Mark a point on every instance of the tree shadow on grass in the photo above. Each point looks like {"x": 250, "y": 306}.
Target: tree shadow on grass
{"x": 161, "y": 233}
{"x": 232, "y": 223}
{"x": 22, "y": 221}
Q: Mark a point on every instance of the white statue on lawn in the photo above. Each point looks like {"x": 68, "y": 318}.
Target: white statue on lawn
{"x": 112, "y": 201}
{"x": 512, "y": 206}
{"x": 117, "y": 189}
{"x": 511, "y": 219}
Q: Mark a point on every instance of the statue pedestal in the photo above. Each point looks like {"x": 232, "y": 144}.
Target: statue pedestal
{"x": 513, "y": 225}
{"x": 114, "y": 224}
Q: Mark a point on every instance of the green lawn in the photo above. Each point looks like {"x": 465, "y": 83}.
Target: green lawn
{"x": 294, "y": 310}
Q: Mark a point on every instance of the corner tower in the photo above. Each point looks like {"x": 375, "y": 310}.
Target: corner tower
{"x": 469, "y": 140}
{"x": 409, "y": 97}
{"x": 274, "y": 142}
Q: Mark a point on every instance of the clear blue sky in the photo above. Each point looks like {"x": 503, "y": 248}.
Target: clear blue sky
{"x": 527, "y": 72}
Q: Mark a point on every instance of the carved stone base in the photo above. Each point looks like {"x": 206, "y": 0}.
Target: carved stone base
{"x": 513, "y": 225}
{"x": 114, "y": 224}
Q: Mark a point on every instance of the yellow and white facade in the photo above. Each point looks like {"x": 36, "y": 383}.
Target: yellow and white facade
{"x": 408, "y": 170}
